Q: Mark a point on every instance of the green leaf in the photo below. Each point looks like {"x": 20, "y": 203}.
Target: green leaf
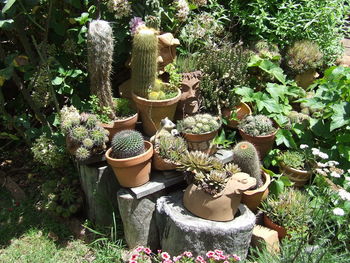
{"x": 320, "y": 128}
{"x": 57, "y": 81}
{"x": 6, "y": 23}
{"x": 8, "y": 5}
{"x": 286, "y": 181}
{"x": 285, "y": 137}
{"x": 6, "y": 72}
{"x": 344, "y": 151}
{"x": 341, "y": 116}
{"x": 246, "y": 93}
{"x": 276, "y": 187}
{"x": 8, "y": 135}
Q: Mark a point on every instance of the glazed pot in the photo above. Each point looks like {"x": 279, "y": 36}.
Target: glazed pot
{"x": 120, "y": 125}
{"x": 282, "y": 232}
{"x": 298, "y": 177}
{"x": 133, "y": 171}
{"x": 158, "y": 163}
{"x": 153, "y": 111}
{"x": 241, "y": 109}
{"x": 221, "y": 207}
{"x": 201, "y": 142}
{"x": 253, "y": 198}
{"x": 263, "y": 144}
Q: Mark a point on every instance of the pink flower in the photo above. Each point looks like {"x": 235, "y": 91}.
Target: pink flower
{"x": 200, "y": 259}
{"x": 147, "y": 251}
{"x": 165, "y": 256}
{"x": 134, "y": 257}
{"x": 222, "y": 257}
{"x": 167, "y": 261}
{"x": 216, "y": 257}
{"x": 139, "y": 249}
{"x": 187, "y": 254}
{"x": 132, "y": 261}
{"x": 218, "y": 252}
{"x": 176, "y": 258}
{"x": 235, "y": 257}
{"x": 210, "y": 254}
{"x": 225, "y": 261}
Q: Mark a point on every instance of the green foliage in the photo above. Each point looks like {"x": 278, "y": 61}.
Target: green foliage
{"x": 126, "y": 144}
{"x": 198, "y": 124}
{"x": 174, "y": 77}
{"x": 123, "y": 107}
{"x": 171, "y": 148}
{"x": 294, "y": 159}
{"x": 102, "y": 113}
{"x": 258, "y": 125}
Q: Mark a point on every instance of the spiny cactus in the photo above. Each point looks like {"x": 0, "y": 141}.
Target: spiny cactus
{"x": 79, "y": 133}
{"x": 258, "y": 125}
{"x": 199, "y": 124}
{"x": 89, "y": 120}
{"x": 82, "y": 153}
{"x": 69, "y": 117}
{"x": 88, "y": 143}
{"x": 246, "y": 157}
{"x": 99, "y": 136}
{"x": 126, "y": 144}
{"x": 144, "y": 61}
{"x": 171, "y": 148}
{"x": 100, "y": 56}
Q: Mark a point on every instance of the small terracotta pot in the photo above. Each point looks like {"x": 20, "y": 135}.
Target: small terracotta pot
{"x": 253, "y": 198}
{"x": 263, "y": 144}
{"x": 282, "y": 232}
{"x": 242, "y": 110}
{"x": 298, "y": 177}
{"x": 158, "y": 163}
{"x": 153, "y": 111}
{"x": 306, "y": 78}
{"x": 201, "y": 142}
{"x": 133, "y": 171}
{"x": 120, "y": 125}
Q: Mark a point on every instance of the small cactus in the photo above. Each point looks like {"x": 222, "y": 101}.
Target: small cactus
{"x": 258, "y": 125}
{"x": 82, "y": 153}
{"x": 79, "y": 133}
{"x": 89, "y": 120}
{"x": 98, "y": 136}
{"x": 246, "y": 157}
{"x": 126, "y": 144}
{"x": 88, "y": 143}
{"x": 199, "y": 124}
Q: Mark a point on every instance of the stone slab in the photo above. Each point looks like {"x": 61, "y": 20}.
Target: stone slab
{"x": 225, "y": 156}
{"x": 265, "y": 236}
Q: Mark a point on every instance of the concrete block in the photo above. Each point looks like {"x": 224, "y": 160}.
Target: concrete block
{"x": 264, "y": 235}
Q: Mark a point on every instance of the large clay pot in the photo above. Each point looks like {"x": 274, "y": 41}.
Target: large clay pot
{"x": 120, "y": 125}
{"x": 306, "y": 78}
{"x": 133, "y": 171}
{"x": 201, "y": 142}
{"x": 158, "y": 163}
{"x": 263, "y": 144}
{"x": 253, "y": 198}
{"x": 282, "y": 232}
{"x": 241, "y": 109}
{"x": 221, "y": 207}
{"x": 153, "y": 111}
{"x": 298, "y": 177}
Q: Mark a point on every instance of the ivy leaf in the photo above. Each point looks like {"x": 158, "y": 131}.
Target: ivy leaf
{"x": 276, "y": 187}
{"x": 246, "y": 93}
{"x": 8, "y": 5}
{"x": 341, "y": 116}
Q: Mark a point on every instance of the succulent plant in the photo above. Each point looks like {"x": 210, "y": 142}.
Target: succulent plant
{"x": 82, "y": 153}
{"x": 123, "y": 107}
{"x": 197, "y": 161}
{"x": 171, "y": 148}
{"x": 88, "y": 120}
{"x": 144, "y": 61}
{"x": 298, "y": 118}
{"x": 199, "y": 124}
{"x": 99, "y": 136}
{"x": 88, "y": 143}
{"x": 247, "y": 159}
{"x": 257, "y": 125}
{"x": 79, "y": 133}
{"x": 68, "y": 195}
{"x": 126, "y": 144}
{"x": 69, "y": 117}
{"x": 212, "y": 182}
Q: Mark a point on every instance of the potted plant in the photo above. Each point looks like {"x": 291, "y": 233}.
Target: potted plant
{"x": 84, "y": 136}
{"x": 199, "y": 131}
{"x": 215, "y": 189}
{"x": 246, "y": 157}
{"x": 130, "y": 158}
{"x": 287, "y": 213}
{"x": 302, "y": 59}
{"x": 260, "y": 131}
{"x": 154, "y": 99}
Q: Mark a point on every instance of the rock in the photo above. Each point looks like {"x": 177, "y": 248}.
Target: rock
{"x": 17, "y": 193}
{"x": 180, "y": 230}
{"x": 225, "y": 156}
{"x": 266, "y": 236}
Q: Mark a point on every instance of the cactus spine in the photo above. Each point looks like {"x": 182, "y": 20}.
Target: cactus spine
{"x": 126, "y": 144}
{"x": 144, "y": 61}
{"x": 100, "y": 57}
{"x": 246, "y": 157}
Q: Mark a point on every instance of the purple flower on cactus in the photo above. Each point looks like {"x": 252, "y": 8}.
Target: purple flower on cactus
{"x": 135, "y": 22}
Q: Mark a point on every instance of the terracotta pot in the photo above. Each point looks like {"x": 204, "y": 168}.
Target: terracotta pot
{"x": 120, "y": 125}
{"x": 158, "y": 163}
{"x": 153, "y": 111}
{"x": 263, "y": 144}
{"x": 242, "y": 110}
{"x": 298, "y": 177}
{"x": 282, "y": 232}
{"x": 253, "y": 198}
{"x": 221, "y": 207}
{"x": 201, "y": 142}
{"x": 306, "y": 78}
{"x": 133, "y": 171}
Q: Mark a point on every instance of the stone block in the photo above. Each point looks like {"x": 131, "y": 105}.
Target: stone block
{"x": 225, "y": 156}
{"x": 264, "y": 235}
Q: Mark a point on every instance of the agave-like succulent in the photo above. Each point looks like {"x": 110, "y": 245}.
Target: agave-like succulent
{"x": 68, "y": 195}
{"x": 213, "y": 182}
{"x": 197, "y": 161}
{"x": 232, "y": 168}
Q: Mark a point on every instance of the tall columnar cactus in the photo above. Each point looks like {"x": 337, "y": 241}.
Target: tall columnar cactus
{"x": 246, "y": 157}
{"x": 126, "y": 144}
{"x": 144, "y": 61}
{"x": 100, "y": 56}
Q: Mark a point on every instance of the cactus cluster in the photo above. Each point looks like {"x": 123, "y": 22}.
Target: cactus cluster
{"x": 199, "y": 124}
{"x": 171, "y": 148}
{"x": 295, "y": 117}
{"x": 257, "y": 125}
{"x": 144, "y": 61}
{"x": 83, "y": 132}
{"x": 213, "y": 182}
{"x": 100, "y": 57}
{"x": 126, "y": 144}
{"x": 247, "y": 159}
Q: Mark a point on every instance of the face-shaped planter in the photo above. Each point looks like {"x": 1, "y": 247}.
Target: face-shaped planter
{"x": 167, "y": 49}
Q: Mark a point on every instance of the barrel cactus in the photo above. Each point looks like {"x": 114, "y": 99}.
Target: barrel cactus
{"x": 199, "y": 124}
{"x": 246, "y": 157}
{"x": 258, "y": 125}
{"x": 126, "y": 144}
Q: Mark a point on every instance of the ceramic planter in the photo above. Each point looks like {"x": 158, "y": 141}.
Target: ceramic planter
{"x": 133, "y": 171}
{"x": 221, "y": 207}
{"x": 263, "y": 144}
{"x": 153, "y": 111}
{"x": 282, "y": 232}
{"x": 201, "y": 142}
{"x": 158, "y": 163}
{"x": 298, "y": 177}
{"x": 242, "y": 110}
{"x": 120, "y": 125}
{"x": 253, "y": 198}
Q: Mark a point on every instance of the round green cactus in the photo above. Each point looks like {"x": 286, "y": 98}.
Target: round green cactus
{"x": 258, "y": 125}
{"x": 88, "y": 143}
{"x": 98, "y": 136}
{"x": 82, "y": 153}
{"x": 199, "y": 124}
{"x": 126, "y": 144}
{"x": 79, "y": 133}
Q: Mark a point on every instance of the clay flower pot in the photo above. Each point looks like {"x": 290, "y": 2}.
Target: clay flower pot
{"x": 282, "y": 232}
{"x": 153, "y": 111}
{"x": 221, "y": 207}
{"x": 158, "y": 163}
{"x": 133, "y": 171}
{"x": 298, "y": 177}
{"x": 241, "y": 109}
{"x": 201, "y": 142}
{"x": 263, "y": 144}
{"x": 119, "y": 125}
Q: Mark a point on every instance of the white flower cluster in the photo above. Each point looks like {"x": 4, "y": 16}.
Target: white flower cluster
{"x": 344, "y": 195}
{"x": 120, "y": 8}
{"x": 182, "y": 9}
{"x": 338, "y": 211}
